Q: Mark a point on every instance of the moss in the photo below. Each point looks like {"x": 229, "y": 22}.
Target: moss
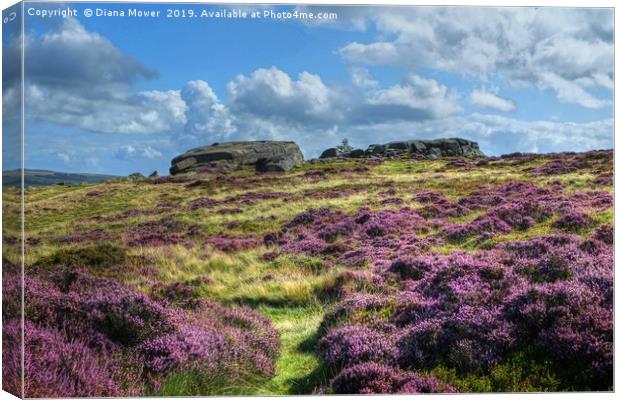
{"x": 523, "y": 371}
{"x": 96, "y": 257}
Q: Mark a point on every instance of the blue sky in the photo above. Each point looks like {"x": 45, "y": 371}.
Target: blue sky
{"x": 119, "y": 95}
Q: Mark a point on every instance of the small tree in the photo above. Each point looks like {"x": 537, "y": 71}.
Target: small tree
{"x": 344, "y": 146}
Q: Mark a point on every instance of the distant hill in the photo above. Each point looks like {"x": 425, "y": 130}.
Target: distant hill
{"x": 39, "y": 177}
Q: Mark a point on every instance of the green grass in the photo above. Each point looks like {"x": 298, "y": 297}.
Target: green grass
{"x": 299, "y": 370}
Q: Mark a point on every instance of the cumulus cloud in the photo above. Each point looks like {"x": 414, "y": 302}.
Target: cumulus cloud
{"x": 523, "y": 46}
{"x": 131, "y": 152}
{"x": 142, "y": 112}
{"x": 273, "y": 94}
{"x": 372, "y": 53}
{"x": 206, "y": 115}
{"x": 360, "y": 77}
{"x": 416, "y": 98}
{"x": 70, "y": 55}
{"x": 570, "y": 91}
{"x": 484, "y": 98}
{"x": 75, "y": 77}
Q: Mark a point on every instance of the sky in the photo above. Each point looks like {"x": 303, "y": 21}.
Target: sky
{"x": 118, "y": 95}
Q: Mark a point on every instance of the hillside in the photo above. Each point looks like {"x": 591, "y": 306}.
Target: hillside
{"x": 342, "y": 276}
{"x": 39, "y": 177}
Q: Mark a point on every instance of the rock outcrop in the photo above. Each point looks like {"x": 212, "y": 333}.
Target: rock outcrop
{"x": 264, "y": 155}
{"x": 431, "y": 149}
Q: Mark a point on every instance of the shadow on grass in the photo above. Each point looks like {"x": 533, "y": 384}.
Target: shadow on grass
{"x": 313, "y": 383}
{"x": 318, "y": 379}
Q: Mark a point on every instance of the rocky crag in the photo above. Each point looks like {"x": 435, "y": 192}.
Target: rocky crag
{"x": 428, "y": 149}
{"x": 279, "y": 156}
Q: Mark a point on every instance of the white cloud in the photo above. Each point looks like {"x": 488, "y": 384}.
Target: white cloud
{"x": 143, "y": 112}
{"x": 490, "y": 99}
{"x": 373, "y": 53}
{"x": 416, "y": 98}
{"x": 71, "y": 55}
{"x": 522, "y": 46}
{"x": 272, "y": 93}
{"x": 130, "y": 152}
{"x": 88, "y": 85}
{"x": 360, "y": 77}
{"x": 570, "y": 91}
{"x": 206, "y": 116}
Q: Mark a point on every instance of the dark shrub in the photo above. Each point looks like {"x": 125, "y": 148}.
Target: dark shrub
{"x": 412, "y": 382}
{"x": 572, "y": 324}
{"x": 96, "y": 257}
{"x": 574, "y": 222}
{"x": 605, "y": 233}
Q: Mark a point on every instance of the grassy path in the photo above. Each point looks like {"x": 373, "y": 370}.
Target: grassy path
{"x": 298, "y": 368}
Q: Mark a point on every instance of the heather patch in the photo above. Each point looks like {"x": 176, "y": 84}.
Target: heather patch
{"x": 233, "y": 244}
{"x": 573, "y": 222}
{"x": 472, "y": 312}
{"x": 83, "y": 326}
{"x": 92, "y": 236}
{"x": 375, "y": 276}
{"x": 502, "y": 218}
{"x": 164, "y": 232}
{"x": 374, "y": 378}
{"x": 55, "y": 366}
{"x": 353, "y": 240}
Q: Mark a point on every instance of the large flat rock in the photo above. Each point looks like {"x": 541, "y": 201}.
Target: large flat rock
{"x": 264, "y": 155}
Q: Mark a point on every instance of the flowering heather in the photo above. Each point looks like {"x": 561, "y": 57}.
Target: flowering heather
{"x": 366, "y": 378}
{"x": 350, "y": 345}
{"x": 412, "y": 382}
{"x": 598, "y": 200}
{"x": 353, "y": 240}
{"x": 205, "y": 202}
{"x": 430, "y": 197}
{"x": 94, "y": 235}
{"x": 573, "y": 221}
{"x": 316, "y": 173}
{"x": 233, "y": 244}
{"x": 168, "y": 179}
{"x": 55, "y": 366}
{"x": 188, "y": 347}
{"x": 604, "y": 180}
{"x": 182, "y": 294}
{"x": 357, "y": 304}
{"x": 220, "y": 340}
{"x": 109, "y": 318}
{"x": 460, "y": 163}
{"x": 470, "y": 312}
{"x": 519, "y": 215}
{"x": 250, "y": 198}
{"x": 161, "y": 233}
{"x": 605, "y": 233}
{"x": 375, "y": 378}
{"x": 571, "y": 323}
{"x": 559, "y": 167}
